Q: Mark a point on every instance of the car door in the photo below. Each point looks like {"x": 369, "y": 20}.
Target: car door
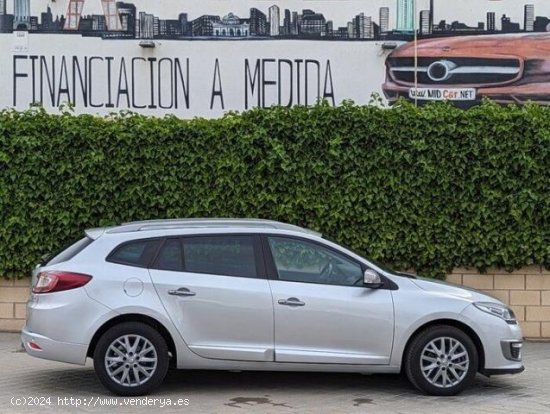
{"x": 323, "y": 314}
{"x": 215, "y": 290}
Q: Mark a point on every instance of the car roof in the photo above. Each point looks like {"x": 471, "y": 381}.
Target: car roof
{"x": 196, "y": 223}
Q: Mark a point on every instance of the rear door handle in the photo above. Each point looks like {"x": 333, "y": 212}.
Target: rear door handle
{"x": 294, "y": 302}
{"x": 181, "y": 292}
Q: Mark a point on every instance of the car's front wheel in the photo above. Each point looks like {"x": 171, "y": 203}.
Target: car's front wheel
{"x": 441, "y": 360}
{"x": 131, "y": 359}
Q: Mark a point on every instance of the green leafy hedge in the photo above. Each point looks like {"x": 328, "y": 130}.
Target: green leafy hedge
{"x": 429, "y": 188}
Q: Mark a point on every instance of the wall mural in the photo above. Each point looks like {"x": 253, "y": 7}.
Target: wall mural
{"x": 206, "y": 57}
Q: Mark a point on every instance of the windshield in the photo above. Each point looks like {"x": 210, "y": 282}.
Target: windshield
{"x": 382, "y": 266}
{"x": 378, "y": 264}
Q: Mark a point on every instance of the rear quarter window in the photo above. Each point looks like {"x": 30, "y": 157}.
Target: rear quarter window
{"x": 137, "y": 253}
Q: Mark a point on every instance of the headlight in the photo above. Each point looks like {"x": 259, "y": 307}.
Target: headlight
{"x": 496, "y": 309}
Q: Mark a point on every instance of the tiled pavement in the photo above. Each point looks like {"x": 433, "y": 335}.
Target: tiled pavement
{"x": 24, "y": 379}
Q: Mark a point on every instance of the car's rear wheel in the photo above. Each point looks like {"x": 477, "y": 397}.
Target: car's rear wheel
{"x": 442, "y": 360}
{"x": 131, "y": 359}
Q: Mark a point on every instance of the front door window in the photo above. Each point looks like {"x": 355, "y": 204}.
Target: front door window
{"x": 307, "y": 262}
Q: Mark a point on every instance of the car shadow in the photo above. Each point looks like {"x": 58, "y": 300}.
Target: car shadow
{"x": 254, "y": 386}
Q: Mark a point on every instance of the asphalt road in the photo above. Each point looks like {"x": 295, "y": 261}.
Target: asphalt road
{"x": 30, "y": 385}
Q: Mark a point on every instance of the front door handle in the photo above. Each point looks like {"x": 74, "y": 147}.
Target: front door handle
{"x": 181, "y": 292}
{"x": 291, "y": 302}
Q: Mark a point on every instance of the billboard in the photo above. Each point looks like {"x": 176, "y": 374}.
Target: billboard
{"x": 203, "y": 58}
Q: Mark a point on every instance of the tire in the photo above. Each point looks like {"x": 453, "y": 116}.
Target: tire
{"x": 131, "y": 359}
{"x": 437, "y": 373}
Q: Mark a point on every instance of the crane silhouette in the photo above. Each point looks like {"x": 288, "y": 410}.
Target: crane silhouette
{"x": 74, "y": 12}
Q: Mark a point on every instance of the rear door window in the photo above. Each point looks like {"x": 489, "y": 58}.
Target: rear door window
{"x": 232, "y": 255}
{"x": 170, "y": 256}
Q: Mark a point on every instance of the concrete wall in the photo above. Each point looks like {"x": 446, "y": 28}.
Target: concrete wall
{"x": 13, "y": 297}
{"x": 526, "y": 290}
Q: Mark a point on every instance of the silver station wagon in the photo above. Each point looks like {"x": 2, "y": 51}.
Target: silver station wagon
{"x": 256, "y": 295}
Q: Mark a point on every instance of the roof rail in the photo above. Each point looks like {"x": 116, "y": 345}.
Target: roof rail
{"x": 205, "y": 222}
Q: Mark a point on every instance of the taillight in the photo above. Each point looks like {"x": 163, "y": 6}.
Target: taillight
{"x": 57, "y": 281}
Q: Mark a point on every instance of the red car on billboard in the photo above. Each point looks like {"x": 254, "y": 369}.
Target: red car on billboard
{"x": 505, "y": 68}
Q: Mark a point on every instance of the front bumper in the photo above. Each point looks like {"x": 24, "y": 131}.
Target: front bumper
{"x": 46, "y": 348}
{"x": 498, "y": 340}
{"x": 504, "y": 371}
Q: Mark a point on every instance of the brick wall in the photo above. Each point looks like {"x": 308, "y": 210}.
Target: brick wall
{"x": 527, "y": 291}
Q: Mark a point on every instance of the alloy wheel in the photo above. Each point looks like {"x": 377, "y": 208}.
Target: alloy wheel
{"x": 444, "y": 362}
{"x": 131, "y": 360}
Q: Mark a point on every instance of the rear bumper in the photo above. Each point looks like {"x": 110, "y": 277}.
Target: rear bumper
{"x": 47, "y": 348}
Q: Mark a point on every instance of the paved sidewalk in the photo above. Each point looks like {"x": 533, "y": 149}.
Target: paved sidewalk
{"x": 51, "y": 385}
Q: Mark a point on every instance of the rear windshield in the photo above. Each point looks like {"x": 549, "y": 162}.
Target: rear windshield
{"x": 69, "y": 252}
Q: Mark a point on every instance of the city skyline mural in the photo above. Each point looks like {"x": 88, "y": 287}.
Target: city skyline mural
{"x": 373, "y": 20}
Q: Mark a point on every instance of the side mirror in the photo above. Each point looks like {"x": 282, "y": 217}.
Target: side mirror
{"x": 372, "y": 280}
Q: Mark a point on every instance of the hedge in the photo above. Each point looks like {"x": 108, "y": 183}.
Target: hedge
{"x": 429, "y": 188}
